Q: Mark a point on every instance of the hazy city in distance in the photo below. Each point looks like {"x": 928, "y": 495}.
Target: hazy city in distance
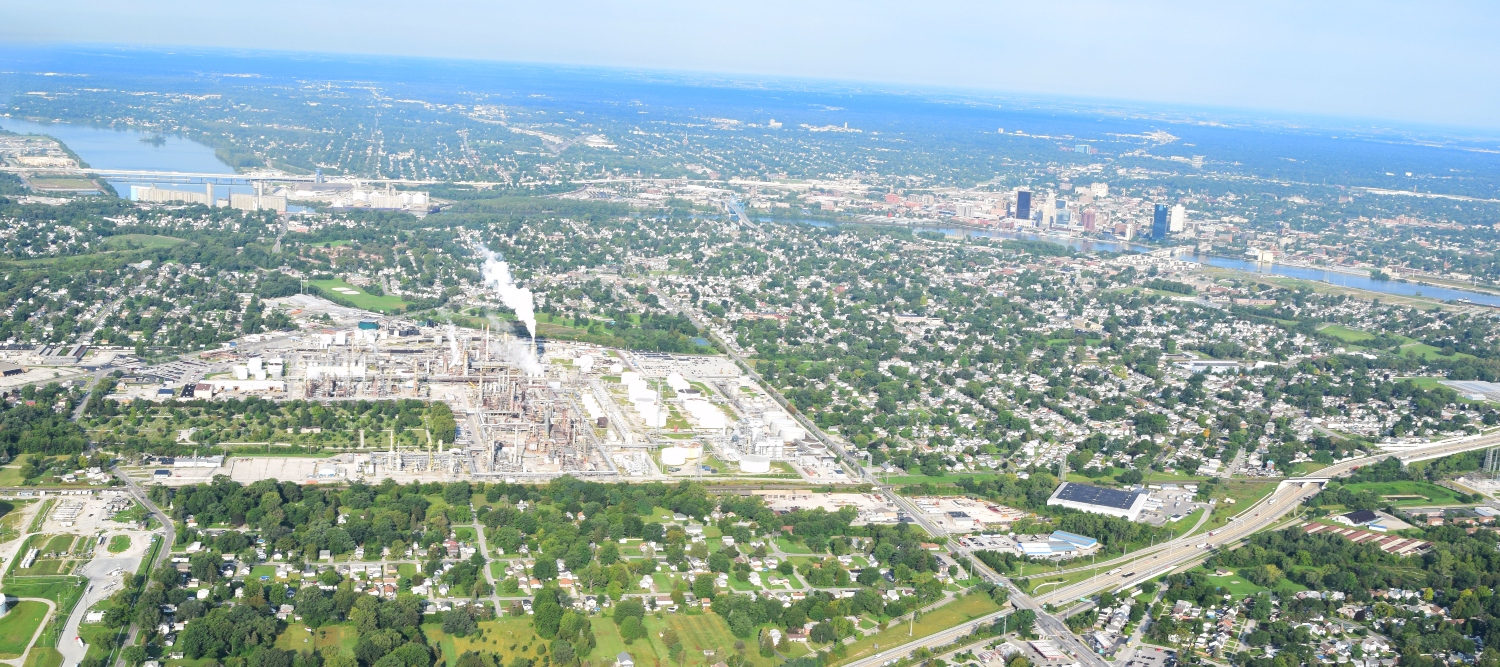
{"x": 676, "y": 335}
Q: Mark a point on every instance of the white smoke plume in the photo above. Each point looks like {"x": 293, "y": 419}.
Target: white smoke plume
{"x": 519, "y": 299}
{"x": 518, "y": 352}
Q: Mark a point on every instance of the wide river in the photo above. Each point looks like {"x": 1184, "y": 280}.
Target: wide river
{"x": 106, "y": 148}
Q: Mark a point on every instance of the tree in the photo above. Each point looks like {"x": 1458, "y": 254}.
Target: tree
{"x": 632, "y": 629}
{"x": 703, "y": 587}
{"x": 632, "y": 607}
{"x": 134, "y": 655}
{"x": 458, "y": 493}
{"x": 1022, "y": 622}
{"x": 546, "y": 613}
{"x": 562, "y": 652}
{"x": 458, "y": 622}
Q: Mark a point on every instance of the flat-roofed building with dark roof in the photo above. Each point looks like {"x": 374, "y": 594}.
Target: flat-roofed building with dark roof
{"x": 1099, "y": 500}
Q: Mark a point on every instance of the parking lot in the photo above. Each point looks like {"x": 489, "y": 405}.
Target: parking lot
{"x": 1169, "y": 505}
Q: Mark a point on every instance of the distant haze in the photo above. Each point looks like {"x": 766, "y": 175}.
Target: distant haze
{"x": 1431, "y": 62}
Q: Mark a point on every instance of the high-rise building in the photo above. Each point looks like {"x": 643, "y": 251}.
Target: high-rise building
{"x": 1087, "y": 218}
{"x": 1023, "y": 204}
{"x": 1178, "y": 220}
{"x": 1099, "y": 189}
{"x": 1159, "y": 223}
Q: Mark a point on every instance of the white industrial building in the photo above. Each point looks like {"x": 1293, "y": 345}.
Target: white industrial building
{"x": 1099, "y": 500}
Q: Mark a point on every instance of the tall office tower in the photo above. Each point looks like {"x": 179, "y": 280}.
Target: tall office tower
{"x": 1159, "y": 223}
{"x": 1178, "y": 221}
{"x": 1023, "y": 204}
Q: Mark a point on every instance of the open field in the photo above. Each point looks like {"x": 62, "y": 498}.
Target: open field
{"x": 364, "y": 300}
{"x": 1409, "y": 493}
{"x": 140, "y": 241}
{"x": 44, "y": 183}
{"x": 966, "y": 608}
{"x": 1346, "y": 334}
{"x": 43, "y": 656}
{"x": 62, "y": 591}
{"x": 119, "y": 543}
{"x": 18, "y": 626}
{"x": 297, "y": 638}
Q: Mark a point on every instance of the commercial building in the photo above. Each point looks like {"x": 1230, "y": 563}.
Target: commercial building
{"x": 151, "y": 193}
{"x": 1099, "y": 500}
{"x": 1177, "y": 221}
{"x": 1159, "y": 224}
{"x": 1023, "y": 204}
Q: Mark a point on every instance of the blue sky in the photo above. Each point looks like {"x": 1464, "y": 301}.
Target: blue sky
{"x": 1431, "y": 62}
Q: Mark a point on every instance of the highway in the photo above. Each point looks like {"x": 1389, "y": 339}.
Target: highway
{"x": 1284, "y": 499}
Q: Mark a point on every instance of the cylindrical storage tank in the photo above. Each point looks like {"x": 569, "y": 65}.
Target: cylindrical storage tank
{"x": 629, "y": 377}
{"x": 692, "y": 451}
{"x": 751, "y": 463}
{"x": 673, "y": 456}
{"x": 585, "y": 363}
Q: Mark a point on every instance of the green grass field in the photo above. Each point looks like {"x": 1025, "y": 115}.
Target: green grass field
{"x": 119, "y": 543}
{"x": 1427, "y": 352}
{"x": 59, "y": 544}
{"x": 379, "y": 304}
{"x": 64, "y": 184}
{"x": 297, "y": 638}
{"x": 1346, "y": 334}
{"x": 41, "y": 515}
{"x": 140, "y": 241}
{"x": 939, "y": 480}
{"x": 1407, "y": 494}
{"x": 64, "y": 591}
{"x": 18, "y": 626}
{"x": 43, "y": 656}
{"x": 966, "y": 608}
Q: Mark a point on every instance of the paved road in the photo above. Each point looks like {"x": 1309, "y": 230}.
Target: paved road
{"x": 930, "y": 641}
{"x": 1284, "y": 499}
{"x": 169, "y": 537}
{"x": 484, "y": 550}
{"x": 103, "y": 582}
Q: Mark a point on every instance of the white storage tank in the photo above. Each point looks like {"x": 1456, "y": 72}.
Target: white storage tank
{"x": 751, "y": 463}
{"x": 673, "y": 456}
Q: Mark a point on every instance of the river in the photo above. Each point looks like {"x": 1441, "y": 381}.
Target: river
{"x": 1350, "y": 280}
{"x": 106, "y": 148}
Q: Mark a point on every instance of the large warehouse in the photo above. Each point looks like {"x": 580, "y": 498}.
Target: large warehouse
{"x": 1099, "y": 500}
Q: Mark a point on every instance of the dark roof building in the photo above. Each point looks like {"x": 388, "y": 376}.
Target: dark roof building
{"x": 1359, "y": 518}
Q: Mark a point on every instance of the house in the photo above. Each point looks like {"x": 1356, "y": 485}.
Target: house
{"x": 624, "y": 660}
